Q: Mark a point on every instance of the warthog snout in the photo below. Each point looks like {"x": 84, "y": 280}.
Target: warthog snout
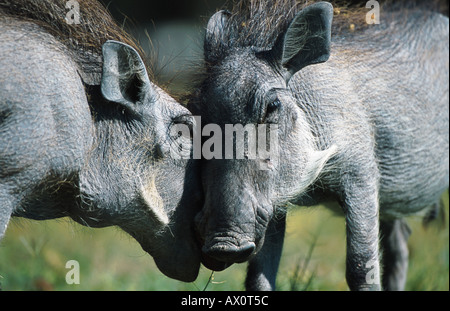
{"x": 229, "y": 252}
{"x": 232, "y": 223}
{"x": 222, "y": 248}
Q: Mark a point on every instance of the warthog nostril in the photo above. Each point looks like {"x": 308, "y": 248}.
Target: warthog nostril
{"x": 230, "y": 253}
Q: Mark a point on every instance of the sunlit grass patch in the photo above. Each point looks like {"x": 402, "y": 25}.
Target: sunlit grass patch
{"x": 33, "y": 257}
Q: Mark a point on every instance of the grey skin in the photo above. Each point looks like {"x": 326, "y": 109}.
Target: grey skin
{"x": 368, "y": 129}
{"x": 102, "y": 159}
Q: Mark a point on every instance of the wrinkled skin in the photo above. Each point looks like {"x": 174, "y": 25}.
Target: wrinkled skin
{"x": 98, "y": 154}
{"x": 366, "y": 129}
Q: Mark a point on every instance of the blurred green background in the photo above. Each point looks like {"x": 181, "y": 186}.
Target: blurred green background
{"x": 33, "y": 256}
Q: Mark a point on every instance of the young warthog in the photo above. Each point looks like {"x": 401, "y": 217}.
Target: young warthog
{"x": 85, "y": 133}
{"x": 368, "y": 128}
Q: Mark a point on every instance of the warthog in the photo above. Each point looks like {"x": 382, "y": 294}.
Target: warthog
{"x": 367, "y": 127}
{"x": 84, "y": 133}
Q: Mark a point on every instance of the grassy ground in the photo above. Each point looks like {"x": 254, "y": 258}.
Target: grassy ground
{"x": 33, "y": 256}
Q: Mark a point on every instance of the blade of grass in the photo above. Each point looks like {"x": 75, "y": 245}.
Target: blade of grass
{"x": 211, "y": 277}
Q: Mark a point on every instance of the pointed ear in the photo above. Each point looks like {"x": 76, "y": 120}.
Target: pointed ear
{"x": 124, "y": 77}
{"x": 216, "y": 40}
{"x": 307, "y": 40}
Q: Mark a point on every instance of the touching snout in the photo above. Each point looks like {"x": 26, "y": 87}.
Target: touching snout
{"x": 229, "y": 252}
{"x": 232, "y": 225}
{"x": 225, "y": 241}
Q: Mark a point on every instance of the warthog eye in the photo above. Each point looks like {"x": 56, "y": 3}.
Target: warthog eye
{"x": 180, "y": 133}
{"x": 273, "y": 106}
{"x": 187, "y": 120}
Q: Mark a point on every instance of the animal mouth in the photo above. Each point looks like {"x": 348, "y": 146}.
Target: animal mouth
{"x": 208, "y": 261}
{"x": 214, "y": 264}
{"x": 229, "y": 252}
{"x": 219, "y": 255}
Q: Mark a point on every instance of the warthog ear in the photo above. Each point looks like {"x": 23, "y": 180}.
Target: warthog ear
{"x": 124, "y": 77}
{"x": 307, "y": 40}
{"x": 215, "y": 38}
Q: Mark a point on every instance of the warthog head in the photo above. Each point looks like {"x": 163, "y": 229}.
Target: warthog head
{"x": 131, "y": 179}
{"x": 247, "y": 84}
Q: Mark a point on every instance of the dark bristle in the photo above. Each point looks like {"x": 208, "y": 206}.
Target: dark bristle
{"x": 85, "y": 39}
{"x": 257, "y": 23}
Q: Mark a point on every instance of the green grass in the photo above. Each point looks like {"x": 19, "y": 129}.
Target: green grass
{"x": 33, "y": 257}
